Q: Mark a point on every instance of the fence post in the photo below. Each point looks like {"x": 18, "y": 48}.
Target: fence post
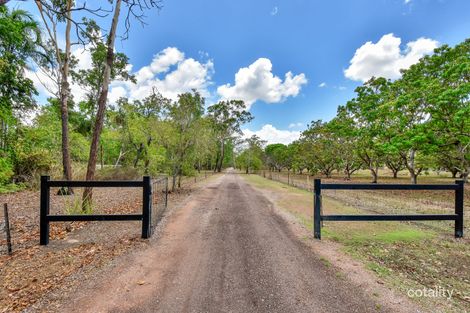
{"x": 147, "y": 191}
{"x": 44, "y": 211}
{"x": 166, "y": 193}
{"x": 7, "y": 227}
{"x": 317, "y": 208}
{"x": 459, "y": 194}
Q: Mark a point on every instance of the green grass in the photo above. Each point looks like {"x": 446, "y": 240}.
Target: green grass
{"x": 10, "y": 188}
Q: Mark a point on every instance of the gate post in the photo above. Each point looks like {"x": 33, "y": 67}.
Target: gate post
{"x": 146, "y": 213}
{"x": 317, "y": 208}
{"x": 44, "y": 211}
{"x": 459, "y": 195}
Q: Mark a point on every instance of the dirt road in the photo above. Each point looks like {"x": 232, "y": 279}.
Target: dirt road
{"x": 225, "y": 250}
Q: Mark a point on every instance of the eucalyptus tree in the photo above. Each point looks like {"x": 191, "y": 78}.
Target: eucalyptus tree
{"x": 136, "y": 9}
{"x": 251, "y": 157}
{"x": 53, "y": 14}
{"x": 179, "y": 132}
{"x": 227, "y": 118}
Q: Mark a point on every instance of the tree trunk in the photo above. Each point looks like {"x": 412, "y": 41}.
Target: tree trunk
{"x": 216, "y": 162}
{"x": 411, "y": 166}
{"x": 173, "y": 182}
{"x": 90, "y": 174}
{"x": 101, "y": 156}
{"x": 395, "y": 173}
{"x": 121, "y": 154}
{"x": 374, "y": 172}
{"x": 222, "y": 155}
{"x": 64, "y": 109}
{"x": 139, "y": 153}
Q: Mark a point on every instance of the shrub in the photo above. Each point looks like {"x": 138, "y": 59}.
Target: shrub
{"x": 6, "y": 171}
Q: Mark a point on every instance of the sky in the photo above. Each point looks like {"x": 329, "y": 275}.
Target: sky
{"x": 291, "y": 61}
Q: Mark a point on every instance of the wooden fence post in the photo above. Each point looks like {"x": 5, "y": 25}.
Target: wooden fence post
{"x": 317, "y": 209}
{"x": 459, "y": 197}
{"x": 44, "y": 211}
{"x": 7, "y": 227}
{"x": 146, "y": 209}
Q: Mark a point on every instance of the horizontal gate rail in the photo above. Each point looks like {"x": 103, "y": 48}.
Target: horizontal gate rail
{"x": 95, "y": 183}
{"x": 389, "y": 187}
{"x": 318, "y": 217}
{"x": 365, "y": 218}
{"x": 45, "y": 218}
{"x": 94, "y": 217}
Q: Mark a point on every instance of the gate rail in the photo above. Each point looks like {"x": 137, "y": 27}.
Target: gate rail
{"x": 45, "y": 218}
{"x": 318, "y": 217}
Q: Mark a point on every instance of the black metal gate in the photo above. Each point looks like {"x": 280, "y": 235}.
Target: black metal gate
{"x": 45, "y": 218}
{"x": 318, "y": 217}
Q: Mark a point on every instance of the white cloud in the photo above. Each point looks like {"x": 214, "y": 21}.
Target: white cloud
{"x": 295, "y": 125}
{"x": 407, "y": 1}
{"x": 164, "y": 59}
{"x": 47, "y": 87}
{"x": 273, "y": 135}
{"x": 169, "y": 71}
{"x": 257, "y": 82}
{"x": 115, "y": 93}
{"x": 274, "y": 11}
{"x": 171, "y": 74}
{"x": 321, "y": 85}
{"x": 385, "y": 58}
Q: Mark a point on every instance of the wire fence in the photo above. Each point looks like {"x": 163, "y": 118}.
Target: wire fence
{"x": 161, "y": 189}
{"x": 304, "y": 182}
{"x": 381, "y": 202}
{"x": 159, "y": 200}
{"x": 24, "y": 215}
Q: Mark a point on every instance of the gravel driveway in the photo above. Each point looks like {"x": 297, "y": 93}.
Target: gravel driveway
{"x": 225, "y": 250}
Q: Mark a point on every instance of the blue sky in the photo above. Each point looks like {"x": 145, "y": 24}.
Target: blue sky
{"x": 315, "y": 41}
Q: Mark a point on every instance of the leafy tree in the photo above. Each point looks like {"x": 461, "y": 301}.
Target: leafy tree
{"x": 179, "y": 132}
{"x": 321, "y": 146}
{"x": 342, "y": 130}
{"x": 364, "y": 112}
{"x": 276, "y": 156}
{"x": 251, "y": 158}
{"x": 227, "y": 118}
{"x": 20, "y": 41}
{"x": 107, "y": 72}
{"x": 58, "y": 66}
{"x": 446, "y": 89}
